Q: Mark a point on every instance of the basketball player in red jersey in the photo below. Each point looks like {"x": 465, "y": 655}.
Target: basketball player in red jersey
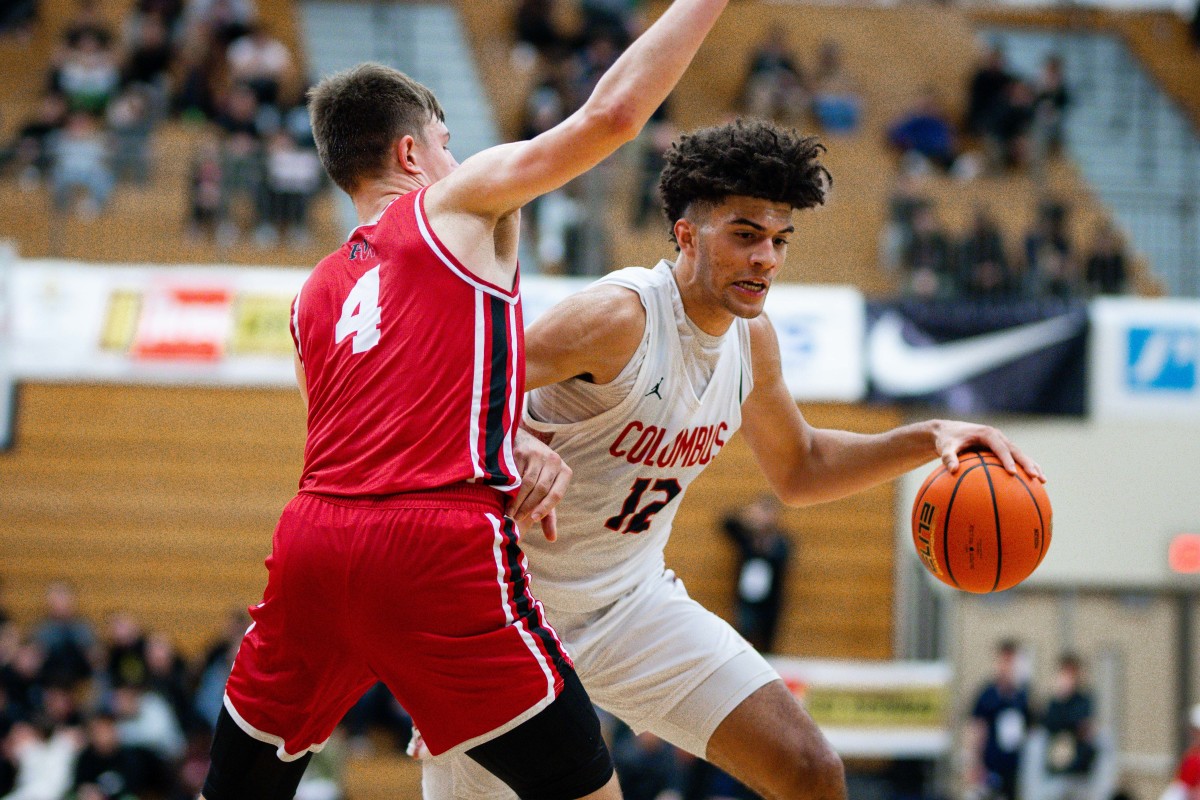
{"x": 397, "y": 561}
{"x": 639, "y": 381}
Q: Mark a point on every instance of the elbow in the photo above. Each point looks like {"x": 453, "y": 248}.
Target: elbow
{"x": 617, "y": 120}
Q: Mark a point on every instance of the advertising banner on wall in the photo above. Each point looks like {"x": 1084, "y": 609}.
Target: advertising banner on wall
{"x": 974, "y": 358}
{"x": 1144, "y": 356}
{"x": 229, "y": 326}
{"x": 898, "y": 709}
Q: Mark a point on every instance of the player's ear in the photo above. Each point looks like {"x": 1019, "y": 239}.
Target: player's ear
{"x": 685, "y": 235}
{"x": 404, "y": 151}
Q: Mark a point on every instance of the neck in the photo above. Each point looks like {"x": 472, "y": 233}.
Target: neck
{"x": 373, "y": 196}
{"x": 704, "y": 313}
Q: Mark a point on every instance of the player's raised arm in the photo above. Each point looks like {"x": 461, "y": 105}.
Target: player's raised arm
{"x": 502, "y": 179}
{"x": 807, "y": 465}
{"x": 592, "y": 334}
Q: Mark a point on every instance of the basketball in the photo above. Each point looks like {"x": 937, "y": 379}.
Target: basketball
{"x": 981, "y": 530}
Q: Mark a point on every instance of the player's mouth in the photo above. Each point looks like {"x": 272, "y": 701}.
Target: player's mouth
{"x": 752, "y": 288}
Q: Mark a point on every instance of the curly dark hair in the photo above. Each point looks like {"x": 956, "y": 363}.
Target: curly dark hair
{"x": 747, "y": 157}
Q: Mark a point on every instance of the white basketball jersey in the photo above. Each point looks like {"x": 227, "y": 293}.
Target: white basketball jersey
{"x": 633, "y": 462}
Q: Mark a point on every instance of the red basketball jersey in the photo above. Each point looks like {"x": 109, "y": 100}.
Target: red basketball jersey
{"x": 415, "y": 366}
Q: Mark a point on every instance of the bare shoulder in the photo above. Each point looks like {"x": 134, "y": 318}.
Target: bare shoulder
{"x": 593, "y": 333}
{"x": 763, "y": 341}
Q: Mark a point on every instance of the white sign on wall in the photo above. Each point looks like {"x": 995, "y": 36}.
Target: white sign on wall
{"x": 821, "y": 330}
{"x": 1145, "y": 359}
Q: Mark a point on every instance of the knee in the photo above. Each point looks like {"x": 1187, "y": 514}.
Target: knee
{"x": 814, "y": 774}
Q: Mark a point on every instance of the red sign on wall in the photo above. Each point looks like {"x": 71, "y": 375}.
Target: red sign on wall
{"x": 1183, "y": 554}
{"x": 183, "y": 323}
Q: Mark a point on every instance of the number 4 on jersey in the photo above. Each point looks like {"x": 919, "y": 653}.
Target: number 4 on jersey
{"x": 640, "y": 521}
{"x": 361, "y": 315}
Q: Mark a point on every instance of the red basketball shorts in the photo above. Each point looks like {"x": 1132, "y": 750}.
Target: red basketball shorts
{"x": 425, "y": 592}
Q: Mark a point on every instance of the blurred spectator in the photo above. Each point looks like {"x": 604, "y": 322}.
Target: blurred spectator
{"x": 1196, "y": 26}
{"x": 207, "y": 198}
{"x": 224, "y": 20}
{"x": 29, "y": 151}
{"x": 1049, "y": 260}
{"x": 1050, "y": 109}
{"x": 88, "y": 76}
{"x": 1070, "y": 734}
{"x": 610, "y": 19}
{"x": 647, "y": 766}
{"x": 260, "y": 62}
{"x": 17, "y": 17}
{"x": 999, "y": 722}
{"x": 126, "y": 651}
{"x": 292, "y": 177}
{"x": 145, "y": 719}
{"x": 925, "y": 131}
{"x": 763, "y": 551}
{"x": 983, "y": 263}
{"x": 928, "y": 260}
{"x": 535, "y": 28}
{"x": 985, "y": 96}
{"x": 44, "y": 760}
{"x": 167, "y": 676}
{"x": 589, "y": 65}
{"x": 130, "y": 124}
{"x": 1008, "y": 137}
{"x": 654, "y": 142}
{"x": 82, "y": 161}
{"x": 1105, "y": 271}
{"x": 21, "y": 679}
{"x": 377, "y": 708}
{"x": 216, "y": 666}
{"x": 87, "y": 21}
{"x": 775, "y": 85}
{"x": 67, "y": 639}
{"x": 108, "y": 769}
{"x": 148, "y": 61}
{"x": 902, "y": 206}
{"x": 837, "y": 101}
{"x": 201, "y": 69}
{"x": 1186, "y": 785}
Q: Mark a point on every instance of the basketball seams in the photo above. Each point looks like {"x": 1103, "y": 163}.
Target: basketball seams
{"x": 946, "y": 524}
{"x": 996, "y": 512}
{"x": 1041, "y": 521}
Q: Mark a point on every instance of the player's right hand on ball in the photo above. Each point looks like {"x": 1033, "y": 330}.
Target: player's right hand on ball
{"x": 544, "y": 480}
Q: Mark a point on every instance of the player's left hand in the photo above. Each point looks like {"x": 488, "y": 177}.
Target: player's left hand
{"x": 544, "y": 479}
{"x": 951, "y": 438}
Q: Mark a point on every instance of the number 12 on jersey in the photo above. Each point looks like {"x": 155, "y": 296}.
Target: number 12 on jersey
{"x": 640, "y": 521}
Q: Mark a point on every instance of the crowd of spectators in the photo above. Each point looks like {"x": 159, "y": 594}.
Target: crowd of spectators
{"x": 119, "y": 715}
{"x": 1051, "y": 749}
{"x": 934, "y": 263}
{"x": 205, "y": 61}
{"x": 778, "y": 86}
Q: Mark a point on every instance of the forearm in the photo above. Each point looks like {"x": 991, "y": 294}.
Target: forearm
{"x": 640, "y": 80}
{"x": 841, "y": 463}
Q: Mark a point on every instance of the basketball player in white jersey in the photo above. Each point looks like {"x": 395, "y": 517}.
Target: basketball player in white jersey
{"x": 638, "y": 382}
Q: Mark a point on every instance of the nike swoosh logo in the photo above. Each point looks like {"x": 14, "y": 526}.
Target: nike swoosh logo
{"x": 904, "y": 370}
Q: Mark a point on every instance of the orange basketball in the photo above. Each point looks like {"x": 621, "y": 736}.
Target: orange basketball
{"x": 981, "y": 530}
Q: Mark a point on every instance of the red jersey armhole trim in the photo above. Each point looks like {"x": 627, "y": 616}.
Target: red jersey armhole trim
{"x": 443, "y": 253}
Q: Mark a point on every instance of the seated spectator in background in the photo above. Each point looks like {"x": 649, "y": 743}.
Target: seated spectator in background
{"x": 1105, "y": 271}
{"x": 292, "y": 176}
{"x": 82, "y": 162}
{"x": 87, "y": 21}
{"x": 983, "y": 264}
{"x": 149, "y": 55}
{"x": 1049, "y": 258}
{"x": 534, "y": 28}
{"x": 17, "y": 18}
{"x": 145, "y": 720}
{"x": 67, "y": 639}
{"x": 763, "y": 553}
{"x": 217, "y": 664}
{"x": 1050, "y": 103}
{"x": 612, "y": 19}
{"x": 1070, "y": 734}
{"x": 999, "y": 721}
{"x": 647, "y": 767}
{"x": 928, "y": 260}
{"x": 1008, "y": 138}
{"x": 775, "y": 86}
{"x": 201, "y": 71}
{"x": 167, "y": 676}
{"x": 21, "y": 678}
{"x": 44, "y": 759}
{"x": 88, "y": 76}
{"x": 925, "y": 132}
{"x": 207, "y": 202}
{"x": 261, "y": 62}
{"x": 107, "y": 769}
{"x": 837, "y": 102}
{"x": 897, "y": 232}
{"x": 126, "y": 651}
{"x": 1196, "y": 26}
{"x": 29, "y": 151}
{"x": 589, "y": 65}
{"x": 985, "y": 96}
{"x": 223, "y": 20}
{"x": 130, "y": 124}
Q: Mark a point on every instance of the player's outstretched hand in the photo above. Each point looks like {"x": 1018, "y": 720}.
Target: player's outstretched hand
{"x": 544, "y": 479}
{"x": 952, "y": 438}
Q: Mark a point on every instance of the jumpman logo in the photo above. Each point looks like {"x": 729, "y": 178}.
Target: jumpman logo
{"x": 655, "y": 391}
